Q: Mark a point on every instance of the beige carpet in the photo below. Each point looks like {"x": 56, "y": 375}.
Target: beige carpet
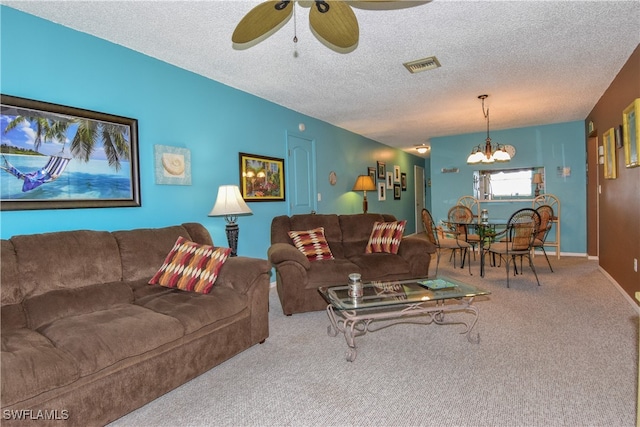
{"x": 562, "y": 354}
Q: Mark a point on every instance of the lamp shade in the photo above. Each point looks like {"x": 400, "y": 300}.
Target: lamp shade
{"x": 229, "y": 202}
{"x": 364, "y": 183}
{"x": 537, "y": 178}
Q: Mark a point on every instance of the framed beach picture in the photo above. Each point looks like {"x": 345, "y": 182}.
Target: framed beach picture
{"x": 261, "y": 178}
{"x": 173, "y": 165}
{"x": 58, "y": 157}
{"x": 631, "y": 134}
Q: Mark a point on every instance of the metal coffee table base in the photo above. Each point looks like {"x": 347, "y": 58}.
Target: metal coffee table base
{"x": 354, "y": 323}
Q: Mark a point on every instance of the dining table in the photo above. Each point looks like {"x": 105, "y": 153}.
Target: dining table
{"x": 487, "y": 230}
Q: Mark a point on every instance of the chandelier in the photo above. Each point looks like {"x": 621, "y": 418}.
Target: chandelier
{"x": 488, "y": 153}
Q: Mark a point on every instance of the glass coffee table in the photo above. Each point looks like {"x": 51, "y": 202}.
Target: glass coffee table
{"x": 383, "y": 304}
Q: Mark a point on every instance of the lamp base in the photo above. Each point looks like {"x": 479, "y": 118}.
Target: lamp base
{"x": 232, "y": 231}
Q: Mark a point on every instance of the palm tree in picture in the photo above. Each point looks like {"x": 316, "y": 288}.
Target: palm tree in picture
{"x": 114, "y": 138}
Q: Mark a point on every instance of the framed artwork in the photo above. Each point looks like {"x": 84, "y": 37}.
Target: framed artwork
{"x": 382, "y": 170}
{"x": 389, "y": 180}
{"x": 631, "y": 134}
{"x": 609, "y": 141}
{"x": 619, "y": 143}
{"x": 381, "y": 191}
{"x": 397, "y": 192}
{"x": 403, "y": 181}
{"x": 396, "y": 174}
{"x": 59, "y": 157}
{"x": 261, "y": 178}
{"x": 372, "y": 173}
{"x": 173, "y": 165}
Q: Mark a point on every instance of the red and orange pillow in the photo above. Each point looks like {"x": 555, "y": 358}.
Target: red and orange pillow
{"x": 312, "y": 243}
{"x": 191, "y": 266}
{"x": 386, "y": 237}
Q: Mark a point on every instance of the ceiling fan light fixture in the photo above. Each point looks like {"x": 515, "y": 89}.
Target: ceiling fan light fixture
{"x": 488, "y": 154}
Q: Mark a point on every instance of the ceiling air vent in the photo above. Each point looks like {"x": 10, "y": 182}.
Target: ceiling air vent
{"x": 425, "y": 64}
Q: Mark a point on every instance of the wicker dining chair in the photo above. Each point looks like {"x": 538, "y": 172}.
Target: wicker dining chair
{"x": 521, "y": 231}
{"x": 461, "y": 213}
{"x": 441, "y": 242}
{"x": 546, "y": 217}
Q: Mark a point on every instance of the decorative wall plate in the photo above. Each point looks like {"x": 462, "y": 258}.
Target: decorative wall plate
{"x": 333, "y": 178}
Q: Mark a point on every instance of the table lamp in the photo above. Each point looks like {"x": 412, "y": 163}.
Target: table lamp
{"x": 537, "y": 180}
{"x": 364, "y": 183}
{"x": 230, "y": 204}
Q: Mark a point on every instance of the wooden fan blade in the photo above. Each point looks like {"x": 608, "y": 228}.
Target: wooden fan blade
{"x": 338, "y": 25}
{"x": 262, "y": 19}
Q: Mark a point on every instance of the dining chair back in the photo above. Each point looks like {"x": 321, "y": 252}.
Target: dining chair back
{"x": 443, "y": 242}
{"x": 522, "y": 228}
{"x": 546, "y": 217}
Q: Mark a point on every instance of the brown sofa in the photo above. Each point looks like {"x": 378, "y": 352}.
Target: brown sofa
{"x": 86, "y": 340}
{"x": 298, "y": 279}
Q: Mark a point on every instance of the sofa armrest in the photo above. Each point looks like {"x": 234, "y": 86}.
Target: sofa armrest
{"x": 415, "y": 245}
{"x": 240, "y": 273}
{"x": 281, "y": 252}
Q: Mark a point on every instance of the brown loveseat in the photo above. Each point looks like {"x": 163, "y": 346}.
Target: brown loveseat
{"x": 298, "y": 278}
{"x": 86, "y": 340}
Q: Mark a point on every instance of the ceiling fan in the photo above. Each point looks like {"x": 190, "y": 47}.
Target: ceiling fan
{"x": 332, "y": 22}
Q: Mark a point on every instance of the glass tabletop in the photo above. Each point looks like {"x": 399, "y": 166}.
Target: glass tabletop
{"x": 381, "y": 294}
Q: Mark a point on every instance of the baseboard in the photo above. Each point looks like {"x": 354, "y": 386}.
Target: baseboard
{"x": 622, "y": 291}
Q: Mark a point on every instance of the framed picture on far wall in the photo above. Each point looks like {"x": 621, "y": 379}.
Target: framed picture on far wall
{"x": 382, "y": 170}
{"x": 372, "y": 173}
{"x": 40, "y": 170}
{"x": 397, "y": 192}
{"x": 403, "y": 181}
{"x": 609, "y": 142}
{"x": 631, "y": 134}
{"x": 261, "y": 178}
{"x": 381, "y": 191}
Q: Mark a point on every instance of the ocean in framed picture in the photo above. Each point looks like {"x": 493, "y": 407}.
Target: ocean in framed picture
{"x": 62, "y": 178}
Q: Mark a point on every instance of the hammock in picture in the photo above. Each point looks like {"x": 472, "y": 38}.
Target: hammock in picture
{"x": 50, "y": 172}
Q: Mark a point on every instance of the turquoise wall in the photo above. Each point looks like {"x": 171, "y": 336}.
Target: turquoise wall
{"x": 47, "y": 62}
{"x": 551, "y": 146}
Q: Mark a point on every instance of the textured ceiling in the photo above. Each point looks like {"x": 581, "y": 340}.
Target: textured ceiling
{"x": 540, "y": 61}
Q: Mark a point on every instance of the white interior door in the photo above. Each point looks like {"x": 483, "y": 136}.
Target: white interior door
{"x": 418, "y": 173}
{"x": 301, "y": 175}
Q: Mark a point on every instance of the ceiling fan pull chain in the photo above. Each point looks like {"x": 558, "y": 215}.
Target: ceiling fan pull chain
{"x": 323, "y": 6}
{"x": 295, "y": 25}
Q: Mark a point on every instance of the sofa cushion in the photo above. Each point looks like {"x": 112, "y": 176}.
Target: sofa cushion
{"x": 312, "y": 244}
{"x": 330, "y": 273}
{"x": 102, "y": 338}
{"x": 32, "y": 365}
{"x": 381, "y": 266}
{"x": 54, "y": 305}
{"x": 356, "y": 230}
{"x": 195, "y": 311}
{"x": 66, "y": 259}
{"x": 143, "y": 250}
{"x": 9, "y": 275}
{"x": 191, "y": 266}
{"x": 386, "y": 237}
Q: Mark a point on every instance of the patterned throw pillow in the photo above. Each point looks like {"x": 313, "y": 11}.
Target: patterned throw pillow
{"x": 191, "y": 266}
{"x": 312, "y": 243}
{"x": 386, "y": 237}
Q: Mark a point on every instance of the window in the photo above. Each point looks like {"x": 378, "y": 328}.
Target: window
{"x": 505, "y": 183}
